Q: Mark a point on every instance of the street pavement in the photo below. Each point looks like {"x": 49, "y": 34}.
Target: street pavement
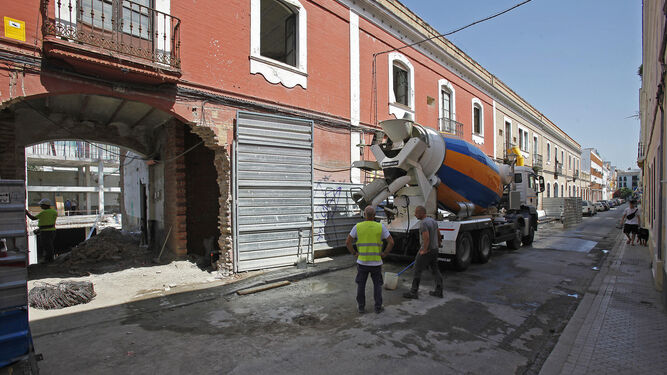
{"x": 502, "y": 317}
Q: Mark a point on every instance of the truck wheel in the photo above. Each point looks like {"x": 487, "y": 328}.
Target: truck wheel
{"x": 482, "y": 247}
{"x": 463, "y": 251}
{"x": 514, "y": 243}
{"x": 527, "y": 240}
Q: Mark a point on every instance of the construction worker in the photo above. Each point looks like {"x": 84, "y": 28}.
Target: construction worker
{"x": 369, "y": 235}
{"x": 46, "y": 234}
{"x": 427, "y": 256}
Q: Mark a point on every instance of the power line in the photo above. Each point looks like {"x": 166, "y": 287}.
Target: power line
{"x": 375, "y": 55}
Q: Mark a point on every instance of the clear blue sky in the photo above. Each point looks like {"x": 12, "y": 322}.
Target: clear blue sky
{"x": 574, "y": 60}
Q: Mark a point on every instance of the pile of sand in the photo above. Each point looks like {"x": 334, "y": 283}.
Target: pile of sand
{"x": 109, "y": 244}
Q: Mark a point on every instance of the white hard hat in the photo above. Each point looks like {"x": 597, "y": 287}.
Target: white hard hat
{"x": 45, "y": 201}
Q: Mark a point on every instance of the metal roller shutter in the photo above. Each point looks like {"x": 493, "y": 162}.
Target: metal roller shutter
{"x": 273, "y": 191}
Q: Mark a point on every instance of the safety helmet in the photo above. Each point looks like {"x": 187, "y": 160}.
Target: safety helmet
{"x": 45, "y": 201}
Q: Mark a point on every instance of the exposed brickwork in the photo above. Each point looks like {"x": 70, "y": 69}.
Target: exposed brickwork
{"x": 214, "y": 125}
{"x": 174, "y": 189}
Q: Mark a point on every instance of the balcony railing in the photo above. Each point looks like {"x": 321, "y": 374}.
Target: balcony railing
{"x": 537, "y": 162}
{"x": 128, "y": 27}
{"x": 450, "y": 126}
{"x": 73, "y": 150}
{"x": 558, "y": 171}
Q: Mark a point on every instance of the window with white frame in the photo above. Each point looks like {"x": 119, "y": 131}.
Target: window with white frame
{"x": 447, "y": 102}
{"x": 477, "y": 117}
{"x": 556, "y": 154}
{"x": 548, "y": 152}
{"x": 401, "y": 86}
{"x": 278, "y": 41}
{"x": 523, "y": 139}
{"x": 536, "y": 146}
{"x": 477, "y": 121}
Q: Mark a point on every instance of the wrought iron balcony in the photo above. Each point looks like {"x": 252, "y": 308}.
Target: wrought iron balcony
{"x": 558, "y": 171}
{"x": 128, "y": 27}
{"x": 450, "y": 126}
{"x": 537, "y": 162}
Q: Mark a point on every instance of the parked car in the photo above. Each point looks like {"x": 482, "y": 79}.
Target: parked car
{"x": 599, "y": 206}
{"x": 587, "y": 208}
{"x": 606, "y": 205}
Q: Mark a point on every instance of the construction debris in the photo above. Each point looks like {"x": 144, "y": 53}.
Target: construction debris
{"x": 108, "y": 244}
{"x": 64, "y": 294}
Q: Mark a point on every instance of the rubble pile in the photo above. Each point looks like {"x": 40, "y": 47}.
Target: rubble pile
{"x": 108, "y": 244}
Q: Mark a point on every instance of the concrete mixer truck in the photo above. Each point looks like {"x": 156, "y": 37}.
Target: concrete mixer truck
{"x": 476, "y": 201}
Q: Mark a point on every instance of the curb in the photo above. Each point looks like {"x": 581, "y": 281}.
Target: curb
{"x": 593, "y": 297}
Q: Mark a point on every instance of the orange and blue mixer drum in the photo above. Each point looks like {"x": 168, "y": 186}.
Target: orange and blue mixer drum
{"x": 467, "y": 175}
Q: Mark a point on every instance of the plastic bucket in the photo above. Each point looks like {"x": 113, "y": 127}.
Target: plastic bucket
{"x": 390, "y": 280}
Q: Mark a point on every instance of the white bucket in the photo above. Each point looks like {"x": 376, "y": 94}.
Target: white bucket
{"x": 390, "y": 280}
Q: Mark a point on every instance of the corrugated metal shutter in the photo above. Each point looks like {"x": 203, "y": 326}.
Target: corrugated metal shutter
{"x": 335, "y": 213}
{"x": 273, "y": 191}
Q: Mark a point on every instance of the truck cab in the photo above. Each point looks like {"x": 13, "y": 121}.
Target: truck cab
{"x": 528, "y": 184}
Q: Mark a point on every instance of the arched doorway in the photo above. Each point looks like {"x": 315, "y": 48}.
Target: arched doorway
{"x": 181, "y": 169}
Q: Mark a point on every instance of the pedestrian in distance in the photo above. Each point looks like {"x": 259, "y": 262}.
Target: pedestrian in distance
{"x": 369, "y": 235}
{"x": 427, "y": 256}
{"x": 46, "y": 234}
{"x": 630, "y": 222}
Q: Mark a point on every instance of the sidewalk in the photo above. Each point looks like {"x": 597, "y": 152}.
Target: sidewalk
{"x": 620, "y": 327}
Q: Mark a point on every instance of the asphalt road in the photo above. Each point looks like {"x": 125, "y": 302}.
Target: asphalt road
{"x": 502, "y": 317}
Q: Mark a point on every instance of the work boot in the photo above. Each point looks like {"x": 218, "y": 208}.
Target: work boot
{"x": 379, "y": 309}
{"x": 411, "y": 295}
{"x": 361, "y": 309}
{"x": 436, "y": 293}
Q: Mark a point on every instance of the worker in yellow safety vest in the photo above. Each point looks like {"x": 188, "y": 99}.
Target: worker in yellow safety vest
{"x": 46, "y": 234}
{"x": 369, "y": 235}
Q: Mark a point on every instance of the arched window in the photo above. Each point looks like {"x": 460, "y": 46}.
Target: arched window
{"x": 555, "y": 189}
{"x": 548, "y": 152}
{"x": 401, "y": 86}
{"x": 447, "y": 103}
{"x": 562, "y": 190}
{"x": 548, "y": 189}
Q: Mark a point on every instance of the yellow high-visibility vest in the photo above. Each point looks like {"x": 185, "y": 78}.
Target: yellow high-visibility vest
{"x": 369, "y": 242}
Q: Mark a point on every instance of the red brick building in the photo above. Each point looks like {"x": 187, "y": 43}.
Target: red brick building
{"x": 238, "y": 110}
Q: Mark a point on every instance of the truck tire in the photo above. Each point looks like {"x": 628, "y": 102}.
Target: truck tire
{"x": 528, "y": 240}
{"x": 482, "y": 247}
{"x": 514, "y": 243}
{"x": 464, "y": 250}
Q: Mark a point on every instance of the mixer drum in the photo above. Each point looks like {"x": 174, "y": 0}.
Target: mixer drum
{"x": 467, "y": 175}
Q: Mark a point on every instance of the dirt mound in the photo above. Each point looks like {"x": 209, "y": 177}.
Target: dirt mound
{"x": 109, "y": 244}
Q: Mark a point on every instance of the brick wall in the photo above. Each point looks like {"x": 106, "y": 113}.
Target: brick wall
{"x": 174, "y": 189}
{"x": 215, "y": 128}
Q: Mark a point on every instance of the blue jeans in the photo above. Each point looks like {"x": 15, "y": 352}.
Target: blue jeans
{"x": 362, "y": 276}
